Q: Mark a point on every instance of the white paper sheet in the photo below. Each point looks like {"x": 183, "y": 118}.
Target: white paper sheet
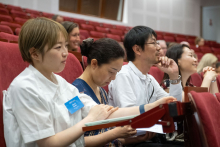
{"x": 156, "y": 129}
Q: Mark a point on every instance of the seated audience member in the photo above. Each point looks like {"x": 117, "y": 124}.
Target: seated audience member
{"x": 73, "y": 35}
{"x": 217, "y": 69}
{"x": 34, "y": 105}
{"x": 57, "y": 18}
{"x": 105, "y": 59}
{"x": 133, "y": 85}
{"x": 186, "y": 43}
{"x": 163, "y": 46}
{"x": 199, "y": 41}
{"x": 208, "y": 59}
{"x": 187, "y": 63}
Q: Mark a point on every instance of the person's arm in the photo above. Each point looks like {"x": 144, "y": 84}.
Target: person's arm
{"x": 106, "y": 137}
{"x": 170, "y": 67}
{"x": 70, "y": 135}
{"x": 209, "y": 76}
{"x": 136, "y": 110}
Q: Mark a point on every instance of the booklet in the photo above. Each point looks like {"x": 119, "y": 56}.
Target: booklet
{"x": 109, "y": 120}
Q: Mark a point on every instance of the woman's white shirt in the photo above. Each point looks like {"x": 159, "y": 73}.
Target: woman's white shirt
{"x": 33, "y": 109}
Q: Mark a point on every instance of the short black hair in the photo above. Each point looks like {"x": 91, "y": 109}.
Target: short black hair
{"x": 103, "y": 50}
{"x": 137, "y": 35}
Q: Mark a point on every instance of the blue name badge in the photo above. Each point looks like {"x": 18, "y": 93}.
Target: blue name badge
{"x": 74, "y": 104}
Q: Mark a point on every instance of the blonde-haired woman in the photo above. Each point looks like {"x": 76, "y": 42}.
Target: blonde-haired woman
{"x": 199, "y": 41}
{"x": 207, "y": 60}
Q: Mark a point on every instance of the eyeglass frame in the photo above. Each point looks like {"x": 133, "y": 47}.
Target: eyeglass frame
{"x": 154, "y": 43}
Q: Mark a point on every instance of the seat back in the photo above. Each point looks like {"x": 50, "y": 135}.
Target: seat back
{"x": 196, "y": 79}
{"x": 6, "y": 29}
{"x": 4, "y": 11}
{"x": 103, "y": 30}
{"x": 115, "y": 37}
{"x": 116, "y": 32}
{"x": 8, "y": 37}
{"x": 11, "y": 64}
{"x": 87, "y": 27}
{"x": 72, "y": 70}
{"x": 97, "y": 34}
{"x": 6, "y": 18}
{"x": 218, "y": 96}
{"x": 204, "y": 124}
{"x": 157, "y": 74}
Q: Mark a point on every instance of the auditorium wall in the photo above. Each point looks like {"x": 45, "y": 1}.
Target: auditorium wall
{"x": 211, "y": 23}
{"x": 175, "y": 16}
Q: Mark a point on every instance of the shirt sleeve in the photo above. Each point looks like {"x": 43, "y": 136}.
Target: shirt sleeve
{"x": 175, "y": 91}
{"x": 88, "y": 104}
{"x": 121, "y": 95}
{"x": 33, "y": 116}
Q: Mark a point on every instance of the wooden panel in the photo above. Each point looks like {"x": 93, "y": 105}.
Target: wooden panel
{"x": 110, "y": 9}
{"x": 68, "y": 5}
{"x": 196, "y": 89}
{"x": 90, "y": 7}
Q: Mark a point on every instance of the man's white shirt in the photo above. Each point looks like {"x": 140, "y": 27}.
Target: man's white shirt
{"x": 132, "y": 88}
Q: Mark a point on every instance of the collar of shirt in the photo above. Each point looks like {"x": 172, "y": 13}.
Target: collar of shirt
{"x": 45, "y": 85}
{"x": 138, "y": 72}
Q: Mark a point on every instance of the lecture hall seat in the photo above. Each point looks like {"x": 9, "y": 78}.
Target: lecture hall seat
{"x": 6, "y": 29}
{"x": 116, "y": 32}
{"x": 9, "y": 37}
{"x": 157, "y": 74}
{"x": 97, "y": 34}
{"x": 205, "y": 49}
{"x": 87, "y": 27}
{"x": 18, "y": 14}
{"x": 4, "y": 11}
{"x": 17, "y": 8}
{"x": 103, "y": 30}
{"x": 115, "y": 37}
{"x": 7, "y": 18}
{"x": 204, "y": 128}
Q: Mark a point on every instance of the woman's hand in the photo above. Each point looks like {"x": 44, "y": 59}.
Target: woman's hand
{"x": 145, "y": 137}
{"x": 165, "y": 100}
{"x": 100, "y": 112}
{"x": 124, "y": 132}
{"x": 209, "y": 72}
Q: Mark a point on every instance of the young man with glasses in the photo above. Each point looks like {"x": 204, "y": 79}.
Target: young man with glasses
{"x": 133, "y": 85}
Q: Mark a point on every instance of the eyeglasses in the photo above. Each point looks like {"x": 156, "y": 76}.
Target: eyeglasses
{"x": 154, "y": 43}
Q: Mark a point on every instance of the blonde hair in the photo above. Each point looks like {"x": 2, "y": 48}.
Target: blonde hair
{"x": 37, "y": 33}
{"x": 207, "y": 60}
{"x": 197, "y": 40}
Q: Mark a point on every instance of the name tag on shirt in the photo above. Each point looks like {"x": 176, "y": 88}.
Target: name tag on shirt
{"x": 74, "y": 105}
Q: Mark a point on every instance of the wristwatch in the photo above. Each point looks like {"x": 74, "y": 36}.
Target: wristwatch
{"x": 214, "y": 80}
{"x": 175, "y": 81}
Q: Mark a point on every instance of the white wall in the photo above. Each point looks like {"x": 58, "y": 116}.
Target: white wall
{"x": 211, "y": 32}
{"x": 177, "y": 16}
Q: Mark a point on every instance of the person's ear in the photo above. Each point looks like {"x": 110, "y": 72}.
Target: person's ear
{"x": 137, "y": 49}
{"x": 35, "y": 55}
{"x": 94, "y": 63}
